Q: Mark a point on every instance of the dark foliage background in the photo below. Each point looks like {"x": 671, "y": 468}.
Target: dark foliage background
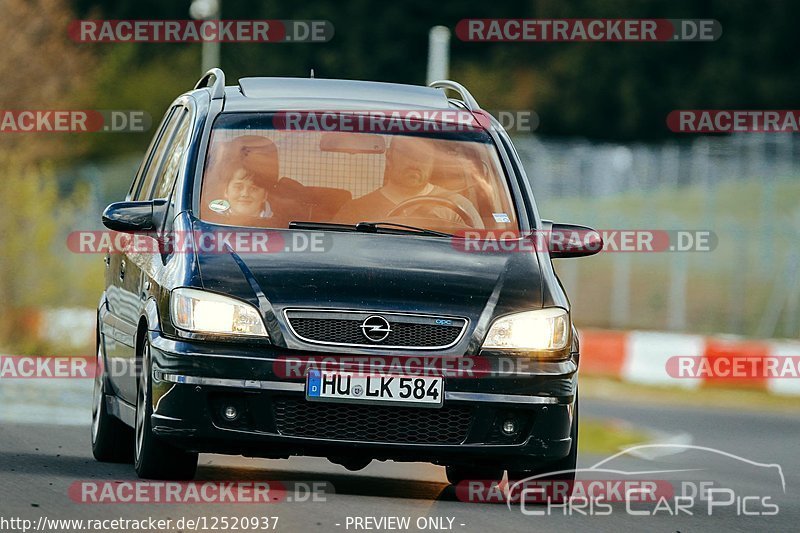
{"x": 613, "y": 91}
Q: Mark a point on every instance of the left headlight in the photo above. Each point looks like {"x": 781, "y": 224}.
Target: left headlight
{"x": 530, "y": 331}
{"x": 207, "y": 312}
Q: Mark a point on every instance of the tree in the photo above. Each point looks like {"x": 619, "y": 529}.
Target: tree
{"x": 40, "y": 69}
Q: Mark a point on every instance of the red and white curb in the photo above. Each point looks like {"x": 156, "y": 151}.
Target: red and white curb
{"x": 644, "y": 356}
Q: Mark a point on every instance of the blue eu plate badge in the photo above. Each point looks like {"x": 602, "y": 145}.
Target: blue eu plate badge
{"x": 314, "y": 379}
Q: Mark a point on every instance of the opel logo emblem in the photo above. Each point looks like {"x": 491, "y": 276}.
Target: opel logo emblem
{"x": 375, "y": 328}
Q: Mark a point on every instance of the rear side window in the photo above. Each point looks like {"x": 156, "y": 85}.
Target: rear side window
{"x": 174, "y": 155}
{"x": 156, "y": 158}
{"x": 137, "y": 182}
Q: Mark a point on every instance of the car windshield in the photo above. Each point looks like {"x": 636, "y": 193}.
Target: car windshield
{"x": 260, "y": 172}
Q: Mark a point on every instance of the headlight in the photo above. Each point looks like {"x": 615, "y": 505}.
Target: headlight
{"x": 543, "y": 329}
{"x": 207, "y": 312}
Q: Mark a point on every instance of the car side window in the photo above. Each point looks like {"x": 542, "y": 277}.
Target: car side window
{"x": 169, "y": 170}
{"x": 137, "y": 181}
{"x": 156, "y": 159}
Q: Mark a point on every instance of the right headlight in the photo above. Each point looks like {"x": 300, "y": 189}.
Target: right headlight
{"x": 207, "y": 312}
{"x": 542, "y": 330}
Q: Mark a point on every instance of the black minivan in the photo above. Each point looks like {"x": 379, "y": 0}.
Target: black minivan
{"x": 306, "y": 273}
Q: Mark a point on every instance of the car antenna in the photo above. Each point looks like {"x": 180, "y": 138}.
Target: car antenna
{"x": 312, "y": 73}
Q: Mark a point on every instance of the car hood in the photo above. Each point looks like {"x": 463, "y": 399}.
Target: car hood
{"x": 377, "y": 272}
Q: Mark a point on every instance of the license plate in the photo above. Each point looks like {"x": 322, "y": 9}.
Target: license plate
{"x": 359, "y": 388}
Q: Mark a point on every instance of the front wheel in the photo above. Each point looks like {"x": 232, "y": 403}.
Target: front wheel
{"x": 557, "y": 478}
{"x": 154, "y": 458}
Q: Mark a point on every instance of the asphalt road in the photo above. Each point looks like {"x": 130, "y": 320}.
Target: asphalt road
{"x": 40, "y": 461}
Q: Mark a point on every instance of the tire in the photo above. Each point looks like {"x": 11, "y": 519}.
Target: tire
{"x": 112, "y": 440}
{"x": 457, "y": 474}
{"x": 154, "y": 458}
{"x": 565, "y": 467}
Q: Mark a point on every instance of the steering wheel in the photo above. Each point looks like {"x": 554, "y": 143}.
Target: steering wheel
{"x": 436, "y": 201}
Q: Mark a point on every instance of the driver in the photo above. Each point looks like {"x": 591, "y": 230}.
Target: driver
{"x": 409, "y": 167}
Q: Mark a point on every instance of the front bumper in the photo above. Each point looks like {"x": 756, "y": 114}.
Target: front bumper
{"x": 193, "y": 383}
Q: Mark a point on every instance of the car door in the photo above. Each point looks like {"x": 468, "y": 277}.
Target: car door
{"x": 141, "y": 266}
{"x": 124, "y": 279}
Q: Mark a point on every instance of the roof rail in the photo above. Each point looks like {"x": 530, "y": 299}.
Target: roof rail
{"x": 218, "y": 87}
{"x": 466, "y": 96}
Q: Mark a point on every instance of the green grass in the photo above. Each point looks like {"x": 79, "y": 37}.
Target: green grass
{"x": 717, "y": 398}
{"x": 600, "y": 436}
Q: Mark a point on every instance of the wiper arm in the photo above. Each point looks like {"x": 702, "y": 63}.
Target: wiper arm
{"x": 372, "y": 227}
{"x": 365, "y": 227}
{"x": 302, "y": 224}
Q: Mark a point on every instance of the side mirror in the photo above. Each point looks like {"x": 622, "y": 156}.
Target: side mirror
{"x": 135, "y": 216}
{"x": 570, "y": 240}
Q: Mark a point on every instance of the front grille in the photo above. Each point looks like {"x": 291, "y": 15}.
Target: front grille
{"x": 345, "y": 328}
{"x": 298, "y": 417}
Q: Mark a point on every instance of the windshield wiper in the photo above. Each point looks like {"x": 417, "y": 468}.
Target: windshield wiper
{"x": 302, "y": 224}
{"x": 366, "y": 227}
{"x": 372, "y": 227}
